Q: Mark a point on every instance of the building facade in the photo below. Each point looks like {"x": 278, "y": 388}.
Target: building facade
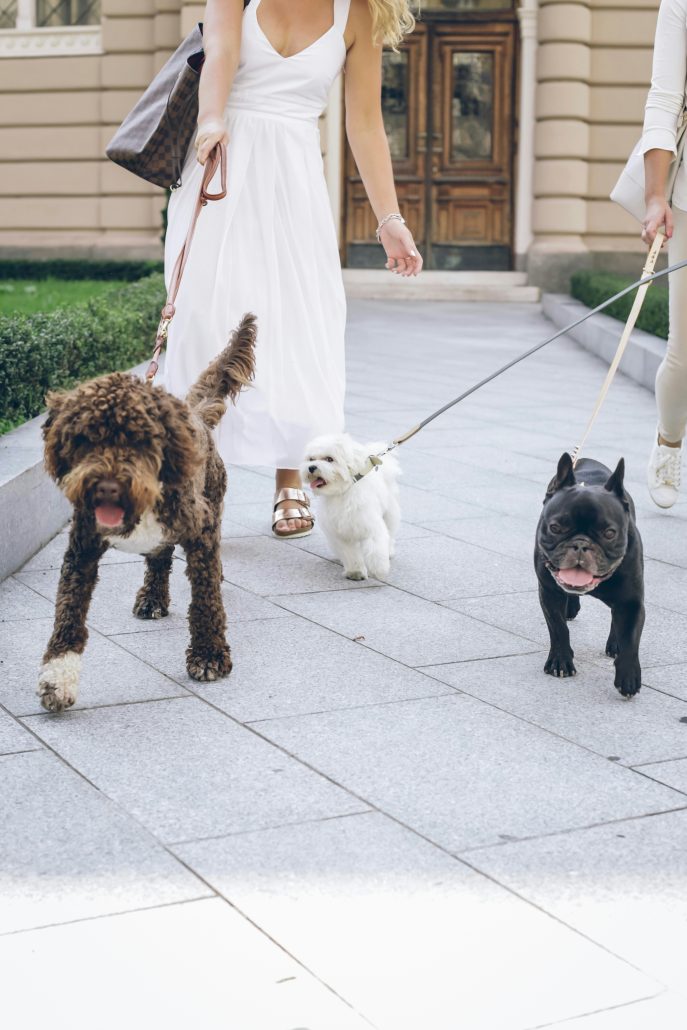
{"x": 508, "y": 121}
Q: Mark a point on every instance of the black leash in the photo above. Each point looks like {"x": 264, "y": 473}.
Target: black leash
{"x": 375, "y": 459}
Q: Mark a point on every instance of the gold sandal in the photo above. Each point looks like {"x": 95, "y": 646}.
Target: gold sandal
{"x": 301, "y": 510}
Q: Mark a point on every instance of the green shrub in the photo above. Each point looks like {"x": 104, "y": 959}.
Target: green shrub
{"x": 82, "y": 269}
{"x": 43, "y": 352}
{"x": 592, "y": 288}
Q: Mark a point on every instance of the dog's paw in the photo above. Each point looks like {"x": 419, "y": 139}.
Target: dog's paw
{"x": 207, "y": 667}
{"x": 149, "y": 607}
{"x": 628, "y": 678}
{"x": 560, "y": 665}
{"x": 356, "y": 574}
{"x": 612, "y": 646}
{"x": 58, "y": 681}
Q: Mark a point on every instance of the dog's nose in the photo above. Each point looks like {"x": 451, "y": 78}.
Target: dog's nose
{"x": 580, "y": 546}
{"x": 312, "y": 468}
{"x": 107, "y": 491}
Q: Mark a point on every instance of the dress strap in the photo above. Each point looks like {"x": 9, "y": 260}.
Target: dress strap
{"x": 341, "y": 9}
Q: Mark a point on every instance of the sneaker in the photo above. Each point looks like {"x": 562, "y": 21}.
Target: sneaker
{"x": 664, "y": 475}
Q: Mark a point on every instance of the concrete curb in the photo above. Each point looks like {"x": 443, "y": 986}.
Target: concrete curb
{"x": 32, "y": 509}
{"x": 600, "y": 335}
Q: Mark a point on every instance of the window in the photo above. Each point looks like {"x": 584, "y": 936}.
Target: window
{"x": 53, "y": 13}
{"x": 37, "y": 28}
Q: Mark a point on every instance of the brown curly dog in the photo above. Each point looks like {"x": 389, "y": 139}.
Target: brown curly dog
{"x": 143, "y": 474}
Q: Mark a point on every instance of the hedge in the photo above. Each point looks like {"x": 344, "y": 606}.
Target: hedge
{"x": 43, "y": 352}
{"x": 592, "y": 288}
{"x": 71, "y": 269}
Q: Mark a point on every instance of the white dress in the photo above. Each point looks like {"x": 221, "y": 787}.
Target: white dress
{"x": 269, "y": 247}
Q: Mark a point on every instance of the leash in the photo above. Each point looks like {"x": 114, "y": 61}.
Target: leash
{"x": 648, "y": 276}
{"x": 655, "y": 250}
{"x": 216, "y": 159}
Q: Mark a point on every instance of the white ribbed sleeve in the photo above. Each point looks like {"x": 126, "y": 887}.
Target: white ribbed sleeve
{"x": 667, "y": 94}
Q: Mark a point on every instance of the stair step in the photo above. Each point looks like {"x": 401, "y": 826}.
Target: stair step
{"x": 494, "y": 287}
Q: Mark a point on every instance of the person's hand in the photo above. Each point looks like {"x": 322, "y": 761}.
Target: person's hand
{"x": 657, "y": 214}
{"x": 403, "y": 257}
{"x": 210, "y": 133}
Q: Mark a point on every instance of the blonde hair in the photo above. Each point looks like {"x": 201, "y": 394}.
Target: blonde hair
{"x": 391, "y": 21}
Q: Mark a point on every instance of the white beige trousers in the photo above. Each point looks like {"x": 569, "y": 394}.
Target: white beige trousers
{"x": 671, "y": 378}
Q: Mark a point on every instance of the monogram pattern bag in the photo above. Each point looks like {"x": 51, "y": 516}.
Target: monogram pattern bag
{"x": 153, "y": 140}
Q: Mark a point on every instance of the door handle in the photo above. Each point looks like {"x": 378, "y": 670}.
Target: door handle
{"x": 437, "y": 142}
{"x": 421, "y": 143}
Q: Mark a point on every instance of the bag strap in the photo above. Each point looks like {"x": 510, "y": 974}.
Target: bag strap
{"x": 217, "y": 158}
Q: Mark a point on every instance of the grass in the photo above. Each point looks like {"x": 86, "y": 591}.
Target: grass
{"x": 22, "y": 297}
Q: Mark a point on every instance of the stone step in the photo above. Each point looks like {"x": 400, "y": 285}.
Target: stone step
{"x": 493, "y": 287}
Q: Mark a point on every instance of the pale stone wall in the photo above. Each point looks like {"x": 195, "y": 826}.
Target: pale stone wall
{"x": 593, "y": 73}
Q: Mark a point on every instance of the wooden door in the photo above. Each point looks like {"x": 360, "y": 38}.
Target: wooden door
{"x": 447, "y": 99}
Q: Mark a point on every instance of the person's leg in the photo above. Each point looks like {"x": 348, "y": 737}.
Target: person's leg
{"x": 290, "y": 479}
{"x": 671, "y": 380}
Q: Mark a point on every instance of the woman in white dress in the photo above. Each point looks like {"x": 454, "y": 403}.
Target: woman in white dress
{"x": 270, "y": 247}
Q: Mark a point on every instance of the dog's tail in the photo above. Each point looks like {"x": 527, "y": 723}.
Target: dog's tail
{"x": 227, "y": 375}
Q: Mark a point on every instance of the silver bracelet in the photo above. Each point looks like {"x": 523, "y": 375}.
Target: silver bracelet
{"x": 395, "y": 216}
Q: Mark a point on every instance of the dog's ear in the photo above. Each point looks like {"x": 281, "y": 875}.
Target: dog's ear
{"x": 356, "y": 456}
{"x": 55, "y": 437}
{"x": 180, "y": 451}
{"x": 565, "y": 476}
{"x": 615, "y": 483}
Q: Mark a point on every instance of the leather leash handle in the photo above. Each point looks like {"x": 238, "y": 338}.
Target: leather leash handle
{"x": 655, "y": 250}
{"x": 216, "y": 159}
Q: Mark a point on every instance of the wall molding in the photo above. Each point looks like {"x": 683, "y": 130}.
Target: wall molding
{"x": 69, "y": 41}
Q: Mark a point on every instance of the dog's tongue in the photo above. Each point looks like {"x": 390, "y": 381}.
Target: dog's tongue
{"x": 576, "y": 577}
{"x": 317, "y": 483}
{"x": 109, "y": 515}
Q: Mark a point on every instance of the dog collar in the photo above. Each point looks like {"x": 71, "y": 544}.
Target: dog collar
{"x": 373, "y": 462}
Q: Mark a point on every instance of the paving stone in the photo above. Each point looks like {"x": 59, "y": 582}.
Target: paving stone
{"x": 186, "y": 771}
{"x": 291, "y": 667}
{"x": 13, "y": 738}
{"x": 117, "y": 586}
{"x": 667, "y": 1011}
{"x": 495, "y": 459}
{"x": 586, "y": 708}
{"x": 437, "y": 567}
{"x": 266, "y": 566}
{"x": 664, "y": 638}
{"x": 406, "y": 628}
{"x": 665, "y": 536}
{"x": 622, "y": 885}
{"x": 666, "y": 585}
{"x": 423, "y": 506}
{"x": 194, "y": 965}
{"x": 671, "y": 679}
{"x": 673, "y": 774}
{"x": 500, "y": 533}
{"x": 17, "y": 602}
{"x": 109, "y": 674}
{"x": 433, "y": 934}
{"x": 464, "y": 773}
{"x": 67, "y": 852}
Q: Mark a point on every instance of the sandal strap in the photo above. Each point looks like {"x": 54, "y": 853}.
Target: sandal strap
{"x": 281, "y": 514}
{"x": 291, "y": 493}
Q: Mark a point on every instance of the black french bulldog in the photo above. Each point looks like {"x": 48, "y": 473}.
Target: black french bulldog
{"x": 588, "y": 543}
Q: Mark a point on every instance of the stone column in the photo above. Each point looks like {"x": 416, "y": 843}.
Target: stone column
{"x": 527, "y": 16}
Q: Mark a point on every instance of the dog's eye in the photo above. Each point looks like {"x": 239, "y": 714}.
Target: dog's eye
{"x": 609, "y": 533}
{"x": 329, "y": 459}
{"x": 555, "y": 528}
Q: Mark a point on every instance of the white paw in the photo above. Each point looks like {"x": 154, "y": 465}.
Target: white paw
{"x": 356, "y": 574}
{"x": 58, "y": 682}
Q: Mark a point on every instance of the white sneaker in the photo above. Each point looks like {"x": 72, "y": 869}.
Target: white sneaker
{"x": 664, "y": 475}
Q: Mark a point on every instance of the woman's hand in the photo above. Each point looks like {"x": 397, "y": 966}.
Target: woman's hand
{"x": 210, "y": 133}
{"x": 658, "y": 214}
{"x": 403, "y": 257}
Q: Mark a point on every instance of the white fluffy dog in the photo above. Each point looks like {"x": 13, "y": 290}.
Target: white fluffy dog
{"x": 360, "y": 516}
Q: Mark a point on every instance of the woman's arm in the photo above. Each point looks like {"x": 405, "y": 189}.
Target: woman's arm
{"x": 222, "y": 44}
{"x": 367, "y": 138}
{"x": 663, "y": 106}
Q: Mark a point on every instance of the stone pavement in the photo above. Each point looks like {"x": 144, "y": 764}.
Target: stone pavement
{"x": 388, "y": 816}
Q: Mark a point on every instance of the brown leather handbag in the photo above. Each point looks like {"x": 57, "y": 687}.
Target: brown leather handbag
{"x": 153, "y": 140}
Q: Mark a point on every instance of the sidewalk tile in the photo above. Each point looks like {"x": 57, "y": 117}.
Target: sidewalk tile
{"x": 186, "y": 771}
{"x": 464, "y": 773}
